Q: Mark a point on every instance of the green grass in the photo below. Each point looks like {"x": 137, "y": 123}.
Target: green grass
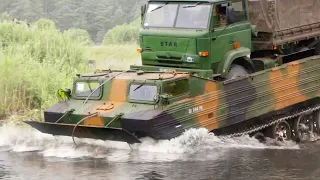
{"x": 118, "y": 57}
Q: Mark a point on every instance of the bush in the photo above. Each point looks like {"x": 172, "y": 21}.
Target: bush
{"x": 13, "y": 34}
{"x": 44, "y": 24}
{"x": 123, "y": 34}
{"x": 34, "y": 63}
{"x": 80, "y": 35}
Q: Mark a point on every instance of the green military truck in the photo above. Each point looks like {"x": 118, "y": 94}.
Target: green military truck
{"x": 227, "y": 38}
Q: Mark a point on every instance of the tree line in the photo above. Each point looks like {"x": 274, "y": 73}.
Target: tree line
{"x": 95, "y": 16}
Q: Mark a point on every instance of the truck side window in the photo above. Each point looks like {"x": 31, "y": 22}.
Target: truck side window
{"x": 221, "y": 14}
{"x": 239, "y": 11}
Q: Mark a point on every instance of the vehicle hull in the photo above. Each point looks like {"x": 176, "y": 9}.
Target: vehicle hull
{"x": 222, "y": 107}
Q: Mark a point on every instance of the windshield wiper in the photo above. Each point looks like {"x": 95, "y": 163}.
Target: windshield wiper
{"x": 159, "y": 7}
{"x": 139, "y": 86}
{"x": 191, "y": 6}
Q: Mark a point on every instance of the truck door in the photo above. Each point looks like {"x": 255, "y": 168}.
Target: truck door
{"x": 230, "y": 23}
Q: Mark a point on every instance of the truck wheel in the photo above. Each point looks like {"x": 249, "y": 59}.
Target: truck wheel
{"x": 236, "y": 71}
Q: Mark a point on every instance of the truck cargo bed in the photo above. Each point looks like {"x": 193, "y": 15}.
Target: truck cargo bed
{"x": 283, "y": 21}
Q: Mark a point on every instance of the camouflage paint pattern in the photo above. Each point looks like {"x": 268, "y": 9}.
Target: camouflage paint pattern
{"x": 209, "y": 104}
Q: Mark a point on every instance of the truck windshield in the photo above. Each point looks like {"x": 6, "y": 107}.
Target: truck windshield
{"x": 84, "y": 89}
{"x": 143, "y": 92}
{"x": 173, "y": 15}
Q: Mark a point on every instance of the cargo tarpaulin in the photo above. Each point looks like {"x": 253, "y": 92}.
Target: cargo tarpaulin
{"x": 278, "y": 15}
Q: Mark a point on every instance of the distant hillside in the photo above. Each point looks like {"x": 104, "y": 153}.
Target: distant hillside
{"x": 95, "y": 16}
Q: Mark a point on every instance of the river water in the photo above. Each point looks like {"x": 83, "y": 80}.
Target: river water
{"x": 197, "y": 154}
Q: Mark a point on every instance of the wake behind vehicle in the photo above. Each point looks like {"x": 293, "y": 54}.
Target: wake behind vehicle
{"x": 232, "y": 67}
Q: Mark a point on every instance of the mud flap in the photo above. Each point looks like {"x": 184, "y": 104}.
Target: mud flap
{"x": 92, "y": 132}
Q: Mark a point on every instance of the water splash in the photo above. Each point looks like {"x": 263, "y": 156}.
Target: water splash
{"x": 193, "y": 143}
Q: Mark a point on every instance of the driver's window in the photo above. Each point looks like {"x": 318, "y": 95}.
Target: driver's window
{"x": 227, "y": 13}
{"x": 220, "y": 14}
{"x": 239, "y": 11}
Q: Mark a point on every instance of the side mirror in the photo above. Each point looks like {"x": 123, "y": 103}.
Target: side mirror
{"x": 231, "y": 17}
{"x": 143, "y": 11}
{"x": 254, "y": 30}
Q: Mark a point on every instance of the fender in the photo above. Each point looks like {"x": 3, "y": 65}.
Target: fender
{"x": 230, "y": 56}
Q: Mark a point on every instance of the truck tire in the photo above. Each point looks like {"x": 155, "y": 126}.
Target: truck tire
{"x": 236, "y": 71}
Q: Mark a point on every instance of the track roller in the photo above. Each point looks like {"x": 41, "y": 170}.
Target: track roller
{"x": 303, "y": 127}
{"x": 317, "y": 121}
{"x": 280, "y": 131}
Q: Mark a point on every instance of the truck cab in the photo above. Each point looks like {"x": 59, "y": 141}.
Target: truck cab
{"x": 208, "y": 37}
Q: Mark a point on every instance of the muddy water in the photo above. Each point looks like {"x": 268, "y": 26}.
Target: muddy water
{"x": 28, "y": 154}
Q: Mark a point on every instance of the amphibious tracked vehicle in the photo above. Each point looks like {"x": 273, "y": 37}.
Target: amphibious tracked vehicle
{"x": 233, "y": 67}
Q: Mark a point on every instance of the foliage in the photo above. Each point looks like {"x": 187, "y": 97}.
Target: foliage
{"x": 34, "y": 64}
{"x": 121, "y": 34}
{"x": 95, "y": 16}
{"x": 79, "y": 35}
{"x": 44, "y": 24}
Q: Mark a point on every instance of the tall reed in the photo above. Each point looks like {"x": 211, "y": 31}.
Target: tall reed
{"x": 34, "y": 63}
